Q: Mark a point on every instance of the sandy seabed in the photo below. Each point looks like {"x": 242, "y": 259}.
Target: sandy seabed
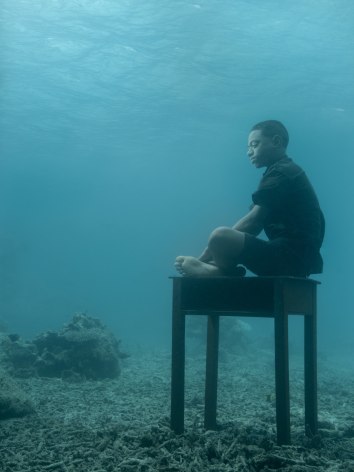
{"x": 123, "y": 425}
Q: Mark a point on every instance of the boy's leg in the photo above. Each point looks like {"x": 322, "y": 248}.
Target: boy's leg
{"x": 225, "y": 245}
{"x": 273, "y": 258}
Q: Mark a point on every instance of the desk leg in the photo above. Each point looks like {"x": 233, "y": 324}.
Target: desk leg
{"x": 282, "y": 376}
{"x": 211, "y": 379}
{"x": 310, "y": 356}
{"x": 178, "y": 361}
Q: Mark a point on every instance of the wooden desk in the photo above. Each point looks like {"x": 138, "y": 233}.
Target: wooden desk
{"x": 271, "y": 297}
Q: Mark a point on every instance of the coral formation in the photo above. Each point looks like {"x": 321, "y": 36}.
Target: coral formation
{"x": 83, "y": 350}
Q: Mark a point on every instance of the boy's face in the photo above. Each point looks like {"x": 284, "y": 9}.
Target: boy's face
{"x": 261, "y": 149}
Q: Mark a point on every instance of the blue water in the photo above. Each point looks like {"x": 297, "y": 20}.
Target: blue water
{"x": 123, "y": 136}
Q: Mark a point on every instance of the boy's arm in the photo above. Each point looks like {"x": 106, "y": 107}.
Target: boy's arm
{"x": 252, "y": 223}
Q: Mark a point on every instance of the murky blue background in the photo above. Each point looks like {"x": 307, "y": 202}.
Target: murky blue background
{"x": 124, "y": 126}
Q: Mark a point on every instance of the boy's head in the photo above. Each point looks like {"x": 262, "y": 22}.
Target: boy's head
{"x": 273, "y": 128}
{"x": 267, "y": 143}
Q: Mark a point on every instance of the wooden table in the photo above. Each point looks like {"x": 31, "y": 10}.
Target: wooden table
{"x": 271, "y": 297}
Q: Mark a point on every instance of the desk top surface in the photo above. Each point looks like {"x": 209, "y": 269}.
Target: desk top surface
{"x": 246, "y": 279}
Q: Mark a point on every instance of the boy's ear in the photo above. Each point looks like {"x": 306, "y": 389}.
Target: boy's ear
{"x": 277, "y": 141}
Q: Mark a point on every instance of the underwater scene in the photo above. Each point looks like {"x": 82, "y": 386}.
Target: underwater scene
{"x": 124, "y": 139}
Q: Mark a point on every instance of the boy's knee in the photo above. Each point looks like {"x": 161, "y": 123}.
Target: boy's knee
{"x": 224, "y": 238}
{"x": 219, "y": 235}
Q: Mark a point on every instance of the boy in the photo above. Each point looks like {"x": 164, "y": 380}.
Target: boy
{"x": 285, "y": 206}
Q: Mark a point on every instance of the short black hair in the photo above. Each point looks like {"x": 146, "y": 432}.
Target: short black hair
{"x": 272, "y": 128}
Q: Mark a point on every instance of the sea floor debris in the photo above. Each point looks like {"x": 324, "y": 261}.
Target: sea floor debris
{"x": 122, "y": 425}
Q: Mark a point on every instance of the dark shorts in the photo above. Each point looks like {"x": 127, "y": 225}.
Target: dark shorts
{"x": 276, "y": 257}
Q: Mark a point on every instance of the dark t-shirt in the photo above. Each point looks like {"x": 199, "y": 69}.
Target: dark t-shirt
{"x": 294, "y": 210}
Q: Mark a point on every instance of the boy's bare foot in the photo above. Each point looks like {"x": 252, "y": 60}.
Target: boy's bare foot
{"x": 188, "y": 265}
